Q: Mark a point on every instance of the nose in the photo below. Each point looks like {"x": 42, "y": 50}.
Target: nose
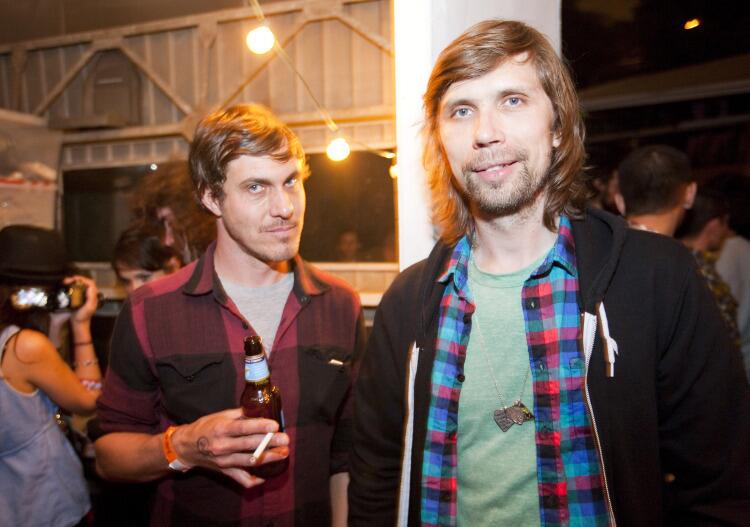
{"x": 281, "y": 205}
{"x": 488, "y": 129}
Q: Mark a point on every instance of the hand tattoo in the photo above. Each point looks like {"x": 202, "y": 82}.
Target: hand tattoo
{"x": 202, "y": 445}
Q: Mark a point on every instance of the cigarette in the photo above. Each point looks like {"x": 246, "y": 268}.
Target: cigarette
{"x": 261, "y": 447}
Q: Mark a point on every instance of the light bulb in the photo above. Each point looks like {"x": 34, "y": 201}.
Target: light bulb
{"x": 338, "y": 149}
{"x": 393, "y": 170}
{"x": 692, "y": 23}
{"x": 260, "y": 40}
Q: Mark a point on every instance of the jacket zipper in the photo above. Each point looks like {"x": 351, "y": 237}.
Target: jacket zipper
{"x": 402, "y": 512}
{"x": 589, "y": 347}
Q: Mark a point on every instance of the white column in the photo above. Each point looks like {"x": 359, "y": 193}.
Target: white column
{"x": 422, "y": 28}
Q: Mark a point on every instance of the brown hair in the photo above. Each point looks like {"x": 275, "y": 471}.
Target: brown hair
{"x": 244, "y": 129}
{"x": 170, "y": 187}
{"x": 481, "y": 49}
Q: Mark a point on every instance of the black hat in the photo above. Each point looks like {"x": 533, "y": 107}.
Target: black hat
{"x": 32, "y": 255}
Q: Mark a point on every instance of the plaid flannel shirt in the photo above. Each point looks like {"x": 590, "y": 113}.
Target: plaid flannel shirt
{"x": 568, "y": 471}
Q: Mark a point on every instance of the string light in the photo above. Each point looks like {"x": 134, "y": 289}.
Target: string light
{"x": 393, "y": 170}
{"x": 338, "y": 149}
{"x": 260, "y": 40}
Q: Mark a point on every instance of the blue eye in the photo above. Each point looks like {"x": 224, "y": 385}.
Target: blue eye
{"x": 514, "y": 101}
{"x": 462, "y": 112}
{"x": 291, "y": 182}
{"x": 254, "y": 188}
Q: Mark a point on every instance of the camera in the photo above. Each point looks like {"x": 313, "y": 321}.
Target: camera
{"x": 55, "y": 298}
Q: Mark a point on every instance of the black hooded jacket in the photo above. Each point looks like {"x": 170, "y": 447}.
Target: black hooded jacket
{"x": 673, "y": 423}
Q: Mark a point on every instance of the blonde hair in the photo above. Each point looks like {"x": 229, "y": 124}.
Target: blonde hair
{"x": 481, "y": 49}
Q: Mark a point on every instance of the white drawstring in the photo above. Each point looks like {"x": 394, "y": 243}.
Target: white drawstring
{"x": 609, "y": 343}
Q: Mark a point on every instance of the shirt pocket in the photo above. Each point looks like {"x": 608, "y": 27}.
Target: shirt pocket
{"x": 197, "y": 385}
{"x": 325, "y": 373}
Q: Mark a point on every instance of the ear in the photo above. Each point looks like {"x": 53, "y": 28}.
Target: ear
{"x": 690, "y": 191}
{"x": 556, "y": 139}
{"x": 620, "y": 203}
{"x": 211, "y": 203}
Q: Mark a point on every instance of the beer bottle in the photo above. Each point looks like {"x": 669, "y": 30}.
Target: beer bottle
{"x": 261, "y": 399}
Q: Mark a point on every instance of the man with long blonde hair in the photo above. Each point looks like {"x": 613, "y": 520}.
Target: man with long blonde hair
{"x": 496, "y": 388}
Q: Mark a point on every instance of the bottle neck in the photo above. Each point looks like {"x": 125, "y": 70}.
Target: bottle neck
{"x": 256, "y": 369}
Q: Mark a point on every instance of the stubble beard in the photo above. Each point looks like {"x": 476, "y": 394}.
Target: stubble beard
{"x": 506, "y": 198}
{"x": 271, "y": 253}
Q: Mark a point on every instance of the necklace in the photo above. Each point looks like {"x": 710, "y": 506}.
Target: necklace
{"x": 505, "y": 416}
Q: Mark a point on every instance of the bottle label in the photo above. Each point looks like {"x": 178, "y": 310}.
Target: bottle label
{"x": 256, "y": 370}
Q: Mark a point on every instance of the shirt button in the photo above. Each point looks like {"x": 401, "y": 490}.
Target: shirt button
{"x": 244, "y": 325}
{"x": 467, "y": 318}
{"x": 461, "y": 377}
{"x": 304, "y": 299}
{"x": 531, "y": 304}
{"x": 445, "y": 495}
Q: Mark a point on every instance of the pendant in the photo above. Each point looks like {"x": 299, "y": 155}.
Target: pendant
{"x": 502, "y": 419}
{"x": 508, "y": 416}
{"x": 520, "y": 413}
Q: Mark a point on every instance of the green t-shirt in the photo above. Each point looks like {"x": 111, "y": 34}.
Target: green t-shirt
{"x": 497, "y": 483}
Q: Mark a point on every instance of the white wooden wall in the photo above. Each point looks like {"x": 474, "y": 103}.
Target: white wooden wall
{"x": 190, "y": 65}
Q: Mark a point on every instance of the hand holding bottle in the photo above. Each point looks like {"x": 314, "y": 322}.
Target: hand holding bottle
{"x": 225, "y": 441}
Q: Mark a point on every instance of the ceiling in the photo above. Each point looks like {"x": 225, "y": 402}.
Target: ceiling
{"x": 31, "y": 19}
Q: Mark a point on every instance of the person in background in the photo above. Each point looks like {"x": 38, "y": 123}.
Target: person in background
{"x": 704, "y": 230}
{"x": 41, "y": 478}
{"x": 496, "y": 388}
{"x": 141, "y": 256}
{"x": 734, "y": 260}
{"x": 165, "y": 199}
{"x": 347, "y": 246}
{"x": 604, "y": 185}
{"x": 656, "y": 187}
{"x": 170, "y": 409}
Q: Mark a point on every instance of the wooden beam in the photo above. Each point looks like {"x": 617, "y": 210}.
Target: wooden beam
{"x": 67, "y": 78}
{"x": 156, "y": 79}
{"x": 298, "y": 120}
{"x": 121, "y": 134}
{"x": 158, "y": 26}
{"x": 349, "y": 115}
{"x": 375, "y": 38}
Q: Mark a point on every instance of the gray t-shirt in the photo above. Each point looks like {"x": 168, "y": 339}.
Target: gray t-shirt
{"x": 261, "y": 306}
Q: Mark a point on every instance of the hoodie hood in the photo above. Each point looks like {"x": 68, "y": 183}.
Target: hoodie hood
{"x": 599, "y": 238}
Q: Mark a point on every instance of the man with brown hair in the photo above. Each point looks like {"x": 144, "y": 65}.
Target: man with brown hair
{"x": 496, "y": 388}
{"x": 169, "y": 410}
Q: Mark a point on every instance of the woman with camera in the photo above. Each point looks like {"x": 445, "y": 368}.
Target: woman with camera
{"x": 41, "y": 478}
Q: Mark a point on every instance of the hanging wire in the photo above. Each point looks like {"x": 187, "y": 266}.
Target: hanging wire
{"x": 323, "y": 112}
{"x": 330, "y": 123}
{"x": 258, "y": 10}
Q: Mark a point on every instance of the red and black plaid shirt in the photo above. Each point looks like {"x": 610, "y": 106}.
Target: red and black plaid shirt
{"x": 177, "y": 354}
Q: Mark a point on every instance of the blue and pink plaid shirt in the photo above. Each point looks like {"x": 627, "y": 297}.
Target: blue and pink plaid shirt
{"x": 568, "y": 472}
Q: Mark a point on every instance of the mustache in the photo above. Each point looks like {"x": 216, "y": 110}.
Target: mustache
{"x": 488, "y": 157}
{"x": 280, "y": 224}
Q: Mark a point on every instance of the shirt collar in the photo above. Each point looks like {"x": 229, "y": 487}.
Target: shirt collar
{"x": 204, "y": 279}
{"x": 562, "y": 253}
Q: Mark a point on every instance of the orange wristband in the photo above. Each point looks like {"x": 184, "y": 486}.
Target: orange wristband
{"x": 170, "y": 454}
{"x": 167, "y": 444}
